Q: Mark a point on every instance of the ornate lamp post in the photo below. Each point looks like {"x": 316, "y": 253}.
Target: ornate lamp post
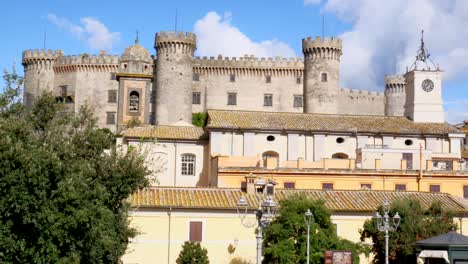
{"x": 386, "y": 223}
{"x": 265, "y": 213}
{"x": 308, "y": 219}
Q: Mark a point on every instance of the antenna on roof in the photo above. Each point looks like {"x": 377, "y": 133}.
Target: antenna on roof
{"x": 137, "y": 39}
{"x": 175, "y": 22}
{"x": 45, "y": 34}
{"x": 323, "y": 26}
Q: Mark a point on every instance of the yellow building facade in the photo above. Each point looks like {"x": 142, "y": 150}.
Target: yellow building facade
{"x": 165, "y": 217}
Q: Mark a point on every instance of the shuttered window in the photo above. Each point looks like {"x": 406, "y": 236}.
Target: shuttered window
{"x": 434, "y": 188}
{"x": 400, "y": 187}
{"x": 465, "y": 191}
{"x": 196, "y": 231}
{"x": 289, "y": 185}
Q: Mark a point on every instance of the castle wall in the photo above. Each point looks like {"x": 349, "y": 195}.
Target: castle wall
{"x": 88, "y": 80}
{"x": 360, "y": 102}
{"x": 250, "y": 83}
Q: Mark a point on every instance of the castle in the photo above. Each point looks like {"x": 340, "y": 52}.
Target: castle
{"x": 167, "y": 88}
{"x": 281, "y": 121}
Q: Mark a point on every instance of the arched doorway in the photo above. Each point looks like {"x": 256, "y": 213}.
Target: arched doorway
{"x": 340, "y": 155}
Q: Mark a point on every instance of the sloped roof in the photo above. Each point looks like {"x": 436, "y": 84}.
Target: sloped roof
{"x": 226, "y": 198}
{"x": 322, "y": 122}
{"x": 166, "y": 132}
{"x": 449, "y": 239}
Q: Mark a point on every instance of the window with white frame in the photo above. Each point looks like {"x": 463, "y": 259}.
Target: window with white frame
{"x": 188, "y": 165}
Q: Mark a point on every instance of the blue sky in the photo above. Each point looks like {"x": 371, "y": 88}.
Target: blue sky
{"x": 378, "y": 35}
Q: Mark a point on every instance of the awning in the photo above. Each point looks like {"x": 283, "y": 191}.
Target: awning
{"x": 433, "y": 254}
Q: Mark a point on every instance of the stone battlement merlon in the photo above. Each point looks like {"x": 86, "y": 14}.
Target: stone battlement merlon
{"x": 175, "y": 37}
{"x": 397, "y": 79}
{"x": 357, "y": 92}
{"x": 318, "y": 42}
{"x": 102, "y": 59}
{"x": 31, "y": 56}
{"x": 249, "y": 62}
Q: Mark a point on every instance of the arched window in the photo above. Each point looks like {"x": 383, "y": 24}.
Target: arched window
{"x": 324, "y": 77}
{"x": 134, "y": 102}
{"x": 340, "y": 156}
{"x": 188, "y": 164}
{"x": 270, "y": 154}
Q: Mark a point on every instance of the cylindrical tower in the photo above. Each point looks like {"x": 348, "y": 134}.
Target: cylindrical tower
{"x": 38, "y": 72}
{"x": 174, "y": 73}
{"x": 395, "y": 95}
{"x": 321, "y": 74}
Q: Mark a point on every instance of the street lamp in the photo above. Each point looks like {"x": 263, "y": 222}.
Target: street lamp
{"x": 265, "y": 213}
{"x": 384, "y": 224}
{"x": 308, "y": 219}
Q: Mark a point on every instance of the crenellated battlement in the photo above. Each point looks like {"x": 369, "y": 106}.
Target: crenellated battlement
{"x": 84, "y": 62}
{"x": 40, "y": 58}
{"x": 173, "y": 42}
{"x": 395, "y": 84}
{"x": 363, "y": 93}
{"x": 249, "y": 64}
{"x": 322, "y": 48}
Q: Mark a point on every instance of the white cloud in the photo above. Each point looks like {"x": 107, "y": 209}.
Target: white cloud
{"x": 386, "y": 34}
{"x": 91, "y": 30}
{"x": 311, "y": 2}
{"x": 216, "y": 35}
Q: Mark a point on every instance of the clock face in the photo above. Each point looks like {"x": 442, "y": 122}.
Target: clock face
{"x": 427, "y": 85}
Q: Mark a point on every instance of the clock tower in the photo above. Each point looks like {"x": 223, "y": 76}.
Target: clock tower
{"x": 424, "y": 90}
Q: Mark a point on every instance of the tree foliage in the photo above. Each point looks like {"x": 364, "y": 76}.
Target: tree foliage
{"x": 198, "y": 119}
{"x": 285, "y": 240}
{"x": 63, "y": 187}
{"x": 10, "y": 96}
{"x": 193, "y": 253}
{"x": 416, "y": 224}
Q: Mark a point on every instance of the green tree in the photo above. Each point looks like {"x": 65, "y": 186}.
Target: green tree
{"x": 285, "y": 240}
{"x": 10, "y": 96}
{"x": 416, "y": 224}
{"x": 198, "y": 119}
{"x": 63, "y": 187}
{"x": 192, "y": 253}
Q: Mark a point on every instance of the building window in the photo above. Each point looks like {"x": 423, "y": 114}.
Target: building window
{"x": 232, "y": 99}
{"x": 270, "y": 154}
{"x": 268, "y": 100}
{"x": 434, "y": 188}
{"x": 188, "y": 165}
{"x": 289, "y": 185}
{"x": 112, "y": 96}
{"x": 196, "y": 228}
{"x": 324, "y": 77}
{"x": 270, "y": 138}
{"x": 110, "y": 118}
{"x": 196, "y": 77}
{"x": 327, "y": 186}
{"x": 298, "y": 101}
{"x": 298, "y": 80}
{"x": 465, "y": 191}
{"x": 153, "y": 97}
{"x": 152, "y": 118}
{"x": 400, "y": 187}
{"x": 340, "y": 140}
{"x": 196, "y": 98}
{"x": 366, "y": 186}
{"x": 268, "y": 79}
{"x": 134, "y": 102}
{"x": 232, "y": 78}
{"x": 244, "y": 185}
{"x": 63, "y": 91}
{"x": 408, "y": 142}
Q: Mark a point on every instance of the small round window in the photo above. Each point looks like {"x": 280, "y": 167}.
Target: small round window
{"x": 340, "y": 140}
{"x": 408, "y": 142}
{"x": 271, "y": 138}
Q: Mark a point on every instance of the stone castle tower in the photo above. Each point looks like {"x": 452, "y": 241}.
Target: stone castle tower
{"x": 395, "y": 95}
{"x": 321, "y": 74}
{"x": 174, "y": 73}
{"x": 38, "y": 72}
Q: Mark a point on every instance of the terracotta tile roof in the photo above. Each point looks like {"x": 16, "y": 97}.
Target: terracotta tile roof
{"x": 322, "y": 122}
{"x": 166, "y": 132}
{"x": 226, "y": 198}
